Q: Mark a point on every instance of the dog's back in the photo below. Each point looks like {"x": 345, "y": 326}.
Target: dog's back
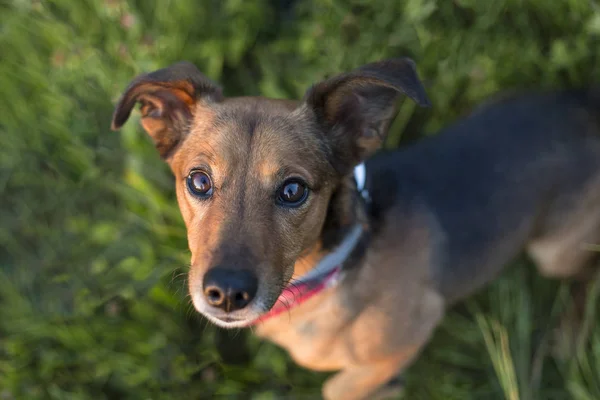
{"x": 520, "y": 173}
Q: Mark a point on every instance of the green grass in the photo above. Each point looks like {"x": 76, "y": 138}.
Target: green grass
{"x": 92, "y": 247}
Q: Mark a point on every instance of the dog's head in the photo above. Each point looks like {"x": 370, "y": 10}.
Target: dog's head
{"x": 255, "y": 177}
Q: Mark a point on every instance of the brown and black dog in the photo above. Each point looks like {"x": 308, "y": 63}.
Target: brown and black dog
{"x": 287, "y": 212}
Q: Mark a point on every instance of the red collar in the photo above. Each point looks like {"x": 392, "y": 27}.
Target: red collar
{"x": 294, "y": 295}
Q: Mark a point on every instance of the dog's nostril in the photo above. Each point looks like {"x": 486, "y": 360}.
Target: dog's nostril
{"x": 241, "y": 299}
{"x": 214, "y": 296}
{"x": 242, "y": 296}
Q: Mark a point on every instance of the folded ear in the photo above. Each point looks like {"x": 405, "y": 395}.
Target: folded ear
{"x": 355, "y": 109}
{"x": 168, "y": 98}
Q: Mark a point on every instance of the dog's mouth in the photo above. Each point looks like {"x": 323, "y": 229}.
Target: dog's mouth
{"x": 228, "y": 319}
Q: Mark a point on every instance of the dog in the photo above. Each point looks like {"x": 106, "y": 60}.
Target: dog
{"x": 347, "y": 255}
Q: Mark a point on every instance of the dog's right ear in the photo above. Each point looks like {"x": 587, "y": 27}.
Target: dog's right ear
{"x": 168, "y": 97}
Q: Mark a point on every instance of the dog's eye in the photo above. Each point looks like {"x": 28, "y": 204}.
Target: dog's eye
{"x": 293, "y": 193}
{"x": 199, "y": 183}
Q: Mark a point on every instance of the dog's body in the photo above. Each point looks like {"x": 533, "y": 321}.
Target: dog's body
{"x": 451, "y": 212}
{"x": 441, "y": 218}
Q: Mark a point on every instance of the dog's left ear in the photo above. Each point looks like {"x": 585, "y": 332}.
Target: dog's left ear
{"x": 355, "y": 109}
{"x": 168, "y": 99}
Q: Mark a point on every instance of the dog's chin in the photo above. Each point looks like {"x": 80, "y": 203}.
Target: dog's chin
{"x": 229, "y": 322}
{"x": 238, "y": 319}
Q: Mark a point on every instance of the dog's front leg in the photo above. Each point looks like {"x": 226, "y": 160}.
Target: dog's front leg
{"x": 363, "y": 382}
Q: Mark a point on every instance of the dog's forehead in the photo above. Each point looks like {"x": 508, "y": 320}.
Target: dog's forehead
{"x": 253, "y": 120}
{"x": 259, "y": 133}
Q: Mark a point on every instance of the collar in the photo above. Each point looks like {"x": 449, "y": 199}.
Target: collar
{"x": 328, "y": 271}
{"x": 360, "y": 177}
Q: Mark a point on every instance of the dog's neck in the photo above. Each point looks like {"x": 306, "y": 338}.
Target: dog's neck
{"x": 334, "y": 259}
{"x": 346, "y": 222}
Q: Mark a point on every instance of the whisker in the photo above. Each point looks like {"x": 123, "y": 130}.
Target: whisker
{"x": 191, "y": 311}
{"x": 286, "y": 305}
{"x": 206, "y": 325}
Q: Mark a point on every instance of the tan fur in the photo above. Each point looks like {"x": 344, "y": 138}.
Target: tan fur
{"x": 562, "y": 253}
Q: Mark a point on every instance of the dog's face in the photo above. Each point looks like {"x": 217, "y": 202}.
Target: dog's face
{"x": 253, "y": 191}
{"x": 254, "y": 176}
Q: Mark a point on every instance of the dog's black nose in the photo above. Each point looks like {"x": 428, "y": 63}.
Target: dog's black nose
{"x": 228, "y": 289}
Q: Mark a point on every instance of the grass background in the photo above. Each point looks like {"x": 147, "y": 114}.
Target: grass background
{"x": 92, "y": 247}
